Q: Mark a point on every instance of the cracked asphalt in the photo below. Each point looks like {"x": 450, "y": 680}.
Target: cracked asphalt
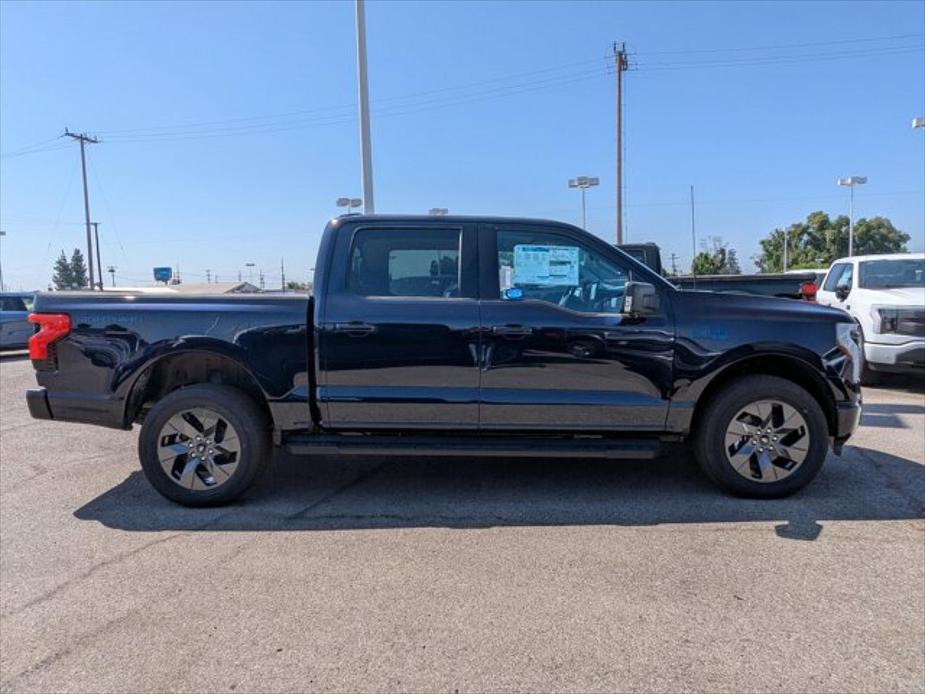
{"x": 474, "y": 576}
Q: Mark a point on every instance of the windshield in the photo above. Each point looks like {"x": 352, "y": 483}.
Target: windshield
{"x": 888, "y": 274}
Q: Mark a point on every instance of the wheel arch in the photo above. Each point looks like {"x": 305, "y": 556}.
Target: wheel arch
{"x": 787, "y": 367}
{"x": 185, "y": 368}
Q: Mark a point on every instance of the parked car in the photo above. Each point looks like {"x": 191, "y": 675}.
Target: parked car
{"x": 795, "y": 284}
{"x": 454, "y": 336}
{"x": 885, "y": 294}
{"x": 15, "y": 328}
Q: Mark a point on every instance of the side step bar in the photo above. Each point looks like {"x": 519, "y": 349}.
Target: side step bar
{"x": 495, "y": 446}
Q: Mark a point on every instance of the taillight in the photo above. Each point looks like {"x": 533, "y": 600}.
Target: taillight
{"x": 808, "y": 291}
{"x": 52, "y": 327}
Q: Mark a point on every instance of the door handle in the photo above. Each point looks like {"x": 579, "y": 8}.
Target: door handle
{"x": 512, "y": 332}
{"x": 355, "y": 328}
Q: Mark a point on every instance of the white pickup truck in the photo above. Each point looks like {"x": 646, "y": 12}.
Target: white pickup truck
{"x": 886, "y": 296}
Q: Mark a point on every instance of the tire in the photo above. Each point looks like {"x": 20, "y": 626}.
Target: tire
{"x": 727, "y": 433}
{"x": 231, "y": 453}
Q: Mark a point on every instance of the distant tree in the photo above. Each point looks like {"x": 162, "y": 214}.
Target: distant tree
{"x": 820, "y": 240}
{"x": 716, "y": 258}
{"x": 63, "y": 277}
{"x": 79, "y": 269}
{"x": 296, "y": 286}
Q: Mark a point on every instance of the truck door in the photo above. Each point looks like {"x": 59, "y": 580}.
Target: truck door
{"x": 399, "y": 328}
{"x": 558, "y": 354}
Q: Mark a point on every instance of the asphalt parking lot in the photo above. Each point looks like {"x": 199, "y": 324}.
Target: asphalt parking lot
{"x": 441, "y": 575}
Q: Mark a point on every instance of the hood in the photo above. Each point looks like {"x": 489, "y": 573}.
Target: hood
{"x": 729, "y": 303}
{"x": 898, "y": 296}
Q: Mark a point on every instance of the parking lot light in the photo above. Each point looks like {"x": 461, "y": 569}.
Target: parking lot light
{"x": 583, "y": 183}
{"x": 851, "y": 182}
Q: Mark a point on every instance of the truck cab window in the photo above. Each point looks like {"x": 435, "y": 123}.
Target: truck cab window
{"x": 838, "y": 275}
{"x": 405, "y": 262}
{"x": 559, "y": 270}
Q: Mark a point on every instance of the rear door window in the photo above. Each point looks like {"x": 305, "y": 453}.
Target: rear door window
{"x": 405, "y": 262}
{"x": 12, "y": 303}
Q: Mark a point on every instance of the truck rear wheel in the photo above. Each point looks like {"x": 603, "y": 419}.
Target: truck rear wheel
{"x": 204, "y": 445}
{"x": 763, "y": 437}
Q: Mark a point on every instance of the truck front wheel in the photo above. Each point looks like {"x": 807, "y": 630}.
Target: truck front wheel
{"x": 762, "y": 436}
{"x": 204, "y": 445}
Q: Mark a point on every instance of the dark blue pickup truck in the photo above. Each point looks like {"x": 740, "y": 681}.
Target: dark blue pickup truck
{"x": 454, "y": 336}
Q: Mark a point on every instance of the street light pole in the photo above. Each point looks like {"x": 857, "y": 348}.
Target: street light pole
{"x": 851, "y": 182}
{"x": 2, "y": 233}
{"x": 366, "y": 153}
{"x": 583, "y": 183}
{"x": 99, "y": 263}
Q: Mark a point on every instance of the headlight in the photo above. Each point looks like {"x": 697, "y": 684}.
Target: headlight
{"x": 885, "y": 319}
{"x": 847, "y": 338}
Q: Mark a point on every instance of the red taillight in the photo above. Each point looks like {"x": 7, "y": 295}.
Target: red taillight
{"x": 808, "y": 291}
{"x": 52, "y": 327}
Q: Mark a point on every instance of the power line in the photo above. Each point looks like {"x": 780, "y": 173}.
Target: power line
{"x": 782, "y": 59}
{"x": 868, "y": 39}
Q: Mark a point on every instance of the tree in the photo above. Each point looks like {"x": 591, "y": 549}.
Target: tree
{"x": 79, "y": 269}
{"x": 716, "y": 258}
{"x": 297, "y": 286}
{"x": 63, "y": 277}
{"x": 821, "y": 240}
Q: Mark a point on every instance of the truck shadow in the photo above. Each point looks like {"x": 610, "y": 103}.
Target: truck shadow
{"x": 334, "y": 493}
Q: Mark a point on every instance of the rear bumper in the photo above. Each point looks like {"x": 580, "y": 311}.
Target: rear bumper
{"x": 76, "y": 407}
{"x": 37, "y": 400}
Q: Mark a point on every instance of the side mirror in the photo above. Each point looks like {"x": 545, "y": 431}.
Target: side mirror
{"x": 841, "y": 293}
{"x": 640, "y": 299}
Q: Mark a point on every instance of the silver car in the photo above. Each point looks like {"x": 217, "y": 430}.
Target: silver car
{"x": 15, "y": 328}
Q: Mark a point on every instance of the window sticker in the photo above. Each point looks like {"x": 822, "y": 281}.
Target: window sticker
{"x": 546, "y": 265}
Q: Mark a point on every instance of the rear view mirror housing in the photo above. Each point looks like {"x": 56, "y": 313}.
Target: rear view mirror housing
{"x": 640, "y": 299}
{"x": 841, "y": 293}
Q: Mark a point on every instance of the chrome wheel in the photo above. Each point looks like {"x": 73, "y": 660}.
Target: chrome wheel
{"x": 767, "y": 441}
{"x": 198, "y": 449}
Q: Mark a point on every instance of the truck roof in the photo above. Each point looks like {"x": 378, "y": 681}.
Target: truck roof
{"x": 487, "y": 219}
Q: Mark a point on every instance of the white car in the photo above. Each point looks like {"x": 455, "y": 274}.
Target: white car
{"x": 886, "y": 296}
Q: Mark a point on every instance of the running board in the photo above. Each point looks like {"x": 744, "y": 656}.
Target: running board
{"x": 495, "y": 446}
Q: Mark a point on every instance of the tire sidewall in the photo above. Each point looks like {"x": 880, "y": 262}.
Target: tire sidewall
{"x": 712, "y": 441}
{"x": 233, "y": 405}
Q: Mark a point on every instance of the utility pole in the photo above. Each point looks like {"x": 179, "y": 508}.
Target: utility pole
{"x": 366, "y": 153}
{"x": 112, "y": 272}
{"x": 260, "y": 275}
{"x": 99, "y": 263}
{"x": 621, "y": 64}
{"x": 208, "y": 276}
{"x": 693, "y": 238}
{"x": 282, "y": 274}
{"x": 83, "y": 139}
{"x": 674, "y": 263}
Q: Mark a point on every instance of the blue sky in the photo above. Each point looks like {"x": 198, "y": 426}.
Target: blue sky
{"x": 228, "y": 129}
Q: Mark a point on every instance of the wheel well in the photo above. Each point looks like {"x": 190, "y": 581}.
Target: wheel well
{"x": 793, "y": 370}
{"x": 186, "y": 369}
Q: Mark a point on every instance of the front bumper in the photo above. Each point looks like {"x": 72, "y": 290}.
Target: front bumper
{"x": 906, "y": 355}
{"x": 847, "y": 420}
